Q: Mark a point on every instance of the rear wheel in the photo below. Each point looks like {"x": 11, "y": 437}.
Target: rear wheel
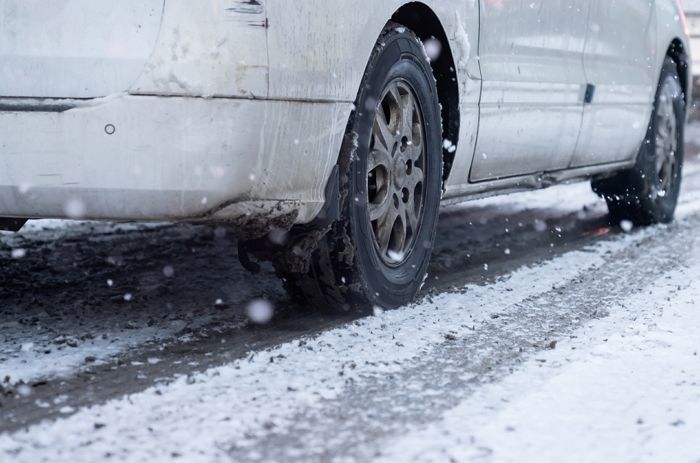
{"x": 648, "y": 193}
{"x": 377, "y": 253}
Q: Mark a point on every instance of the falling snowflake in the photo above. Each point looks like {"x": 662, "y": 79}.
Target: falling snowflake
{"x": 260, "y": 311}
{"x": 18, "y": 253}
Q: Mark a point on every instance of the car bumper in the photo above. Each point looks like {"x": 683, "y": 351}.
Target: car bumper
{"x": 171, "y": 158}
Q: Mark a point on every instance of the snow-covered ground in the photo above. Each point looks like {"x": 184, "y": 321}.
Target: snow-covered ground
{"x": 375, "y": 346}
{"x": 623, "y": 389}
{"x": 544, "y": 335}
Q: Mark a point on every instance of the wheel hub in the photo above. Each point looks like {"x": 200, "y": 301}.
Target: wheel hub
{"x": 396, "y": 173}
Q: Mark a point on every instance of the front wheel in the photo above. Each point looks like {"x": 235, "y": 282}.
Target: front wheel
{"x": 377, "y": 253}
{"x": 648, "y": 193}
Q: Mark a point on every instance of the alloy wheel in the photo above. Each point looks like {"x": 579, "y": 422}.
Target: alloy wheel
{"x": 396, "y": 173}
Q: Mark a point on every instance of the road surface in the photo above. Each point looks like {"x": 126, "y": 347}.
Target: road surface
{"x": 543, "y": 333}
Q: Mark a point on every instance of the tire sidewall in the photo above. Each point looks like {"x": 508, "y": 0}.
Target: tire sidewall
{"x": 401, "y": 56}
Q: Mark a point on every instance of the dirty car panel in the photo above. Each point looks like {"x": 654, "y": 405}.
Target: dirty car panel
{"x": 236, "y": 110}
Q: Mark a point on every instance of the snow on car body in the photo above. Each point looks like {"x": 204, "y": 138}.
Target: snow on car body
{"x": 237, "y": 110}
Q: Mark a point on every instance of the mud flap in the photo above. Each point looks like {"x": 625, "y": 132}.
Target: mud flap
{"x": 300, "y": 242}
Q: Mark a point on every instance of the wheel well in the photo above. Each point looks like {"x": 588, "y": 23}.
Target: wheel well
{"x": 422, "y": 20}
{"x": 677, "y": 52}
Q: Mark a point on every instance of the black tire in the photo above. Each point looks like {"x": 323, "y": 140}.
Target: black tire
{"x": 642, "y": 195}
{"x": 348, "y": 270}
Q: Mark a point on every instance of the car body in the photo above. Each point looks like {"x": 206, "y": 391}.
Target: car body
{"x": 235, "y": 110}
{"x": 341, "y": 125}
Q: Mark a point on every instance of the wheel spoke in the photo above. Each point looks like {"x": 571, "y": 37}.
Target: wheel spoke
{"x": 407, "y": 109}
{"x": 382, "y": 132}
{"x": 399, "y": 234}
{"x": 377, "y": 158}
{"x": 394, "y": 94}
{"x": 411, "y": 214}
{"x": 385, "y": 229}
{"x": 415, "y": 178}
{"x": 377, "y": 210}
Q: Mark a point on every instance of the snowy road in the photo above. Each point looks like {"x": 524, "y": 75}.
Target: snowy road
{"x": 543, "y": 334}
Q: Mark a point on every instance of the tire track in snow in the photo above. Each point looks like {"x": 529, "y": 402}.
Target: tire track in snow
{"x": 356, "y": 425}
{"x": 621, "y": 389}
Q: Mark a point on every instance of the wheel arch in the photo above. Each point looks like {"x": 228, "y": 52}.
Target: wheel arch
{"x": 423, "y": 21}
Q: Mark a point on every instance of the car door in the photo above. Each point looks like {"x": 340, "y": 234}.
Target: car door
{"x": 531, "y": 57}
{"x": 618, "y": 62}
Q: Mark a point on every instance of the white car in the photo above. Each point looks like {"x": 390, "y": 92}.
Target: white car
{"x": 328, "y": 132}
